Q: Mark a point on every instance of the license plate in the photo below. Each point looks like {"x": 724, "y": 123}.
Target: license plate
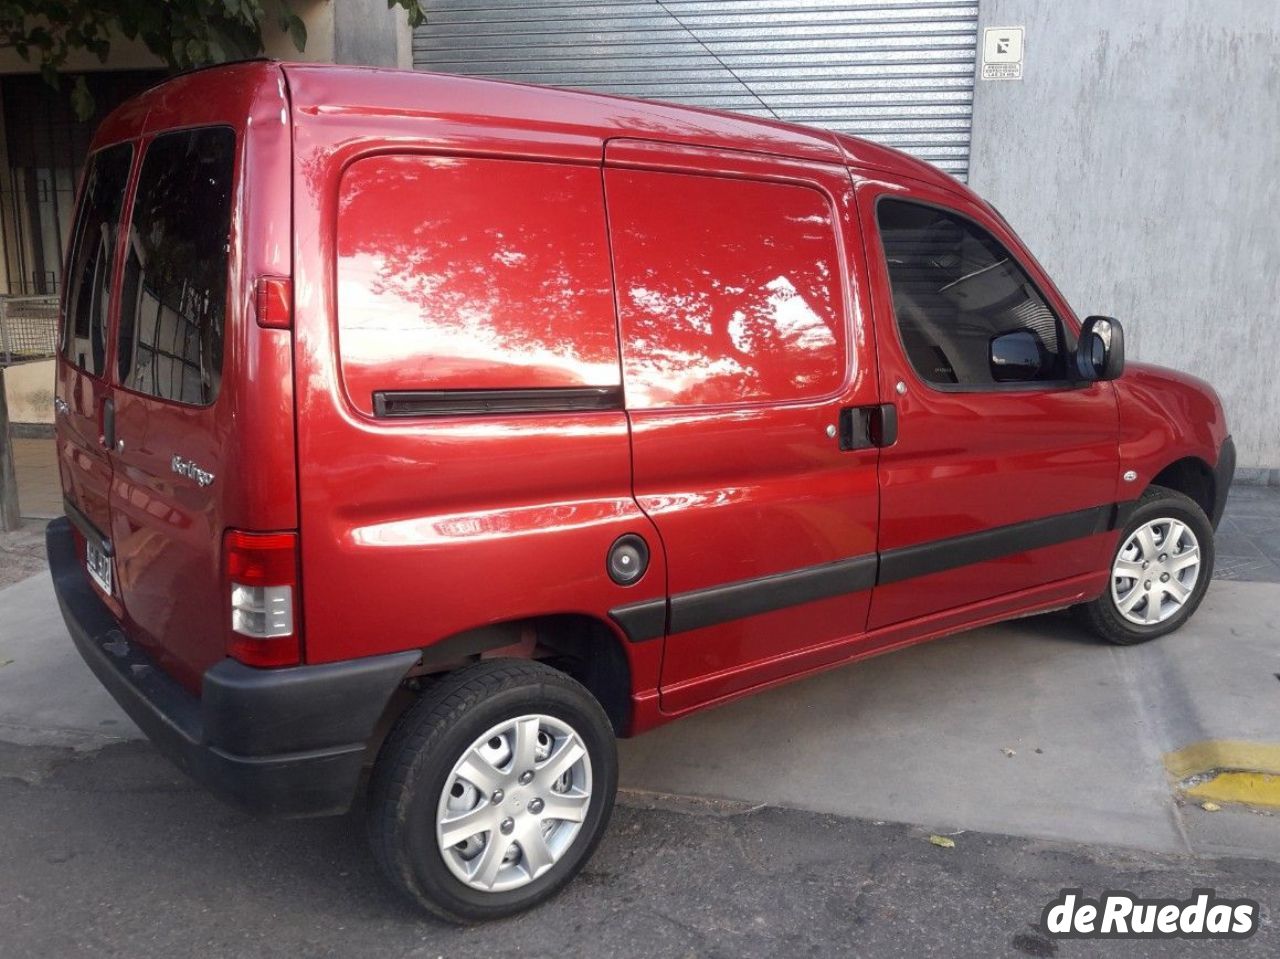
{"x": 98, "y": 564}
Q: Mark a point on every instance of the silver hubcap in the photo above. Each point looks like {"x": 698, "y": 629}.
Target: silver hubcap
{"x": 514, "y": 803}
{"x": 1155, "y": 571}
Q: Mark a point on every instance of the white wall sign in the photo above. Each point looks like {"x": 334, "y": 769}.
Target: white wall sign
{"x": 1002, "y": 53}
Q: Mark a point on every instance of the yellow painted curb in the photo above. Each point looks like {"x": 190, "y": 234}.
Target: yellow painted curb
{"x": 1215, "y": 755}
{"x": 1249, "y": 789}
{"x": 1228, "y": 771}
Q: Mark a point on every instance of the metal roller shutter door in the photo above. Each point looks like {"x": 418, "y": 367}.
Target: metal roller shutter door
{"x": 899, "y": 72}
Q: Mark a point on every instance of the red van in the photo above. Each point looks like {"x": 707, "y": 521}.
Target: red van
{"x": 450, "y": 428}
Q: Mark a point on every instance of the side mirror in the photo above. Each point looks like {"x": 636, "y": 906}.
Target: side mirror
{"x": 1016, "y": 356}
{"x": 1100, "y": 352}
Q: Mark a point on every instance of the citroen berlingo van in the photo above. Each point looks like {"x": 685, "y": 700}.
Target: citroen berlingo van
{"x": 437, "y": 431}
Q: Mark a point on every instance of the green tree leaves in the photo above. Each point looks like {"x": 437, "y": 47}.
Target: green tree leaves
{"x": 183, "y": 33}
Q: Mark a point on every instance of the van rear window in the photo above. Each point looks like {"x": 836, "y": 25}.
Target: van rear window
{"x": 173, "y": 296}
{"x": 473, "y": 276}
{"x": 93, "y": 251}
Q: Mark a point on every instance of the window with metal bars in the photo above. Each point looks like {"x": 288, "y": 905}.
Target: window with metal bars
{"x": 41, "y": 159}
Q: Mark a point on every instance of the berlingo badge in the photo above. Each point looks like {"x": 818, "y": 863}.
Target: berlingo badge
{"x": 191, "y": 471}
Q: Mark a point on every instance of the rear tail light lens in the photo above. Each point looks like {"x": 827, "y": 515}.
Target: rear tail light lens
{"x": 262, "y": 590}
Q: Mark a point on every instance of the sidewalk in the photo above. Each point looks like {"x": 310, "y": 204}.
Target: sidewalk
{"x": 21, "y": 553}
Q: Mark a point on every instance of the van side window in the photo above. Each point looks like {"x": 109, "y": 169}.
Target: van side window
{"x": 955, "y": 290}
{"x": 729, "y": 290}
{"x": 466, "y": 274}
{"x": 173, "y": 293}
{"x": 97, "y": 226}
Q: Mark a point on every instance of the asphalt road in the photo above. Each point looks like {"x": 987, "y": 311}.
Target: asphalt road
{"x": 113, "y": 853}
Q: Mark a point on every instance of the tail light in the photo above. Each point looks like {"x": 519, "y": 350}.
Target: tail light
{"x": 262, "y": 590}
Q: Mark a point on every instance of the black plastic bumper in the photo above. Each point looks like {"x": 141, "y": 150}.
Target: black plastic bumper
{"x": 1223, "y": 473}
{"x": 279, "y": 742}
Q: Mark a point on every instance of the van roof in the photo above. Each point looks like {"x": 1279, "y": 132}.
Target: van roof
{"x": 572, "y": 116}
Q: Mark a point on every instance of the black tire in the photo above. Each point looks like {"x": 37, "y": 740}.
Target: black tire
{"x": 1103, "y": 616}
{"x": 418, "y": 757}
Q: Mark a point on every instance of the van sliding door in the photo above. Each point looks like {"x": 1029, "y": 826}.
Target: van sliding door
{"x": 748, "y": 395}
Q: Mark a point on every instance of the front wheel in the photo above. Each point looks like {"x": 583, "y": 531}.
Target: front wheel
{"x": 493, "y": 790}
{"x": 1159, "y": 573}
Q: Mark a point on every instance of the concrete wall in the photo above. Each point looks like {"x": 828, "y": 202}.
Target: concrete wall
{"x": 318, "y": 16}
{"x": 28, "y": 388}
{"x": 1139, "y": 159}
{"x": 346, "y": 31}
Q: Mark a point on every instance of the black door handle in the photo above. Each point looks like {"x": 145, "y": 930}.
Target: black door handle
{"x": 884, "y": 425}
{"x": 109, "y": 424}
{"x": 862, "y": 427}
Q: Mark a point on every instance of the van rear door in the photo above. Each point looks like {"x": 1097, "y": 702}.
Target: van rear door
{"x": 175, "y": 396}
{"x": 83, "y": 400}
{"x": 166, "y": 521}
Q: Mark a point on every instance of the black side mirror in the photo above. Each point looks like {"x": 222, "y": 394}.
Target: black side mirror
{"x": 1100, "y": 352}
{"x": 1016, "y": 356}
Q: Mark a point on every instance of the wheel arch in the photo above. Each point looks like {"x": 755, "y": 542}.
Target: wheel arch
{"x": 583, "y": 647}
{"x": 1192, "y": 477}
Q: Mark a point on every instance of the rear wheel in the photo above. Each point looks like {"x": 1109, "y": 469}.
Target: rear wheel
{"x": 1159, "y": 573}
{"x": 493, "y": 790}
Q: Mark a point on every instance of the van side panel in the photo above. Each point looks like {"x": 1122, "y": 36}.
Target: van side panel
{"x": 416, "y": 527}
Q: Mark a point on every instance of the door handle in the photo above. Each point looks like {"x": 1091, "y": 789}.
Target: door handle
{"x": 108, "y": 424}
{"x": 863, "y": 427}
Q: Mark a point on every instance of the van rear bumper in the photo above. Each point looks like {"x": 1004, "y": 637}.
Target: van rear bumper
{"x": 277, "y": 742}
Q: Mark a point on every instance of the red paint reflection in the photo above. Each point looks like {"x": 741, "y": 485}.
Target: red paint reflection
{"x": 472, "y": 273}
{"x": 725, "y": 289}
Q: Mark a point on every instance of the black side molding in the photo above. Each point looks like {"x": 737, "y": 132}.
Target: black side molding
{"x": 907, "y": 562}
{"x": 389, "y": 404}
{"x": 1120, "y": 517}
{"x": 751, "y": 597}
{"x": 642, "y": 621}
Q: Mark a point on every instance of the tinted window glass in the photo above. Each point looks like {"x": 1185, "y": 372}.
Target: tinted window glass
{"x": 481, "y": 274}
{"x": 174, "y": 290}
{"x": 92, "y": 255}
{"x": 729, "y": 290}
{"x": 955, "y": 290}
